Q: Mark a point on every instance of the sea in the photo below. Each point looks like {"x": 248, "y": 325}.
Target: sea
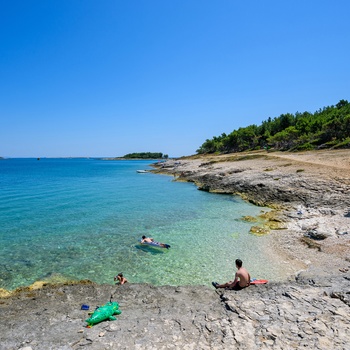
{"x": 77, "y": 219}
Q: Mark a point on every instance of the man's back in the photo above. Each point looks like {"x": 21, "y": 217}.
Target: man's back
{"x": 244, "y": 277}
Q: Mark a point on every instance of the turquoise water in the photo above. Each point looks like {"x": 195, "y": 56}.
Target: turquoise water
{"x": 81, "y": 219}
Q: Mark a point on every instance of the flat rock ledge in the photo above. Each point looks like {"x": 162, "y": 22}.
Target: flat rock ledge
{"x": 307, "y": 313}
{"x": 266, "y": 180}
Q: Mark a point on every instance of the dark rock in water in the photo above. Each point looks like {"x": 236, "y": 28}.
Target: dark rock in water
{"x": 317, "y": 234}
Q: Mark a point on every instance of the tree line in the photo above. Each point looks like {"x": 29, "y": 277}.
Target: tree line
{"x": 328, "y": 127}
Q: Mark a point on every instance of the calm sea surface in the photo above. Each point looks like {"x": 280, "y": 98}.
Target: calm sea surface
{"x": 82, "y": 218}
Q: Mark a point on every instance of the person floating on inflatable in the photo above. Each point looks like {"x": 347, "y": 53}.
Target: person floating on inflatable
{"x": 151, "y": 241}
{"x": 121, "y": 279}
{"x": 242, "y": 279}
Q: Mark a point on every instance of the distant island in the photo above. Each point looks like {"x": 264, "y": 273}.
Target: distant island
{"x": 146, "y": 155}
{"x": 142, "y": 155}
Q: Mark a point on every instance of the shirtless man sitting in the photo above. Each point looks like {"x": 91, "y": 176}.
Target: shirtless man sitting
{"x": 242, "y": 279}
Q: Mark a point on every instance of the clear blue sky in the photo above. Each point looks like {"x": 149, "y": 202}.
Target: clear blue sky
{"x": 110, "y": 77}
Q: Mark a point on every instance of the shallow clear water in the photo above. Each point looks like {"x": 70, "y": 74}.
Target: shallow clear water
{"x": 82, "y": 218}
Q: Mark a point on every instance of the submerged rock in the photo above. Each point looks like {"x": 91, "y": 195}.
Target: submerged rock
{"x": 259, "y": 231}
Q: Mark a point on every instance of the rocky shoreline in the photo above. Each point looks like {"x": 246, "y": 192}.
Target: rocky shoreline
{"x": 309, "y": 192}
{"x": 309, "y": 312}
{"x": 311, "y": 195}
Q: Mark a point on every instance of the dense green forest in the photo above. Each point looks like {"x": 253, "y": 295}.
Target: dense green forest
{"x": 146, "y": 155}
{"x": 328, "y": 127}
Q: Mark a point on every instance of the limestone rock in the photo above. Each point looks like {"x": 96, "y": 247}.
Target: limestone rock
{"x": 309, "y": 312}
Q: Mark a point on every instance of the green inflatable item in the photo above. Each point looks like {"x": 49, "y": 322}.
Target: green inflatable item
{"x": 103, "y": 313}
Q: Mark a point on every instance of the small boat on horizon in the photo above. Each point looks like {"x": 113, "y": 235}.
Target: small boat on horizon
{"x": 142, "y": 171}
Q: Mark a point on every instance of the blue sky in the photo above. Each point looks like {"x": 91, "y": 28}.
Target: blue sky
{"x": 106, "y": 78}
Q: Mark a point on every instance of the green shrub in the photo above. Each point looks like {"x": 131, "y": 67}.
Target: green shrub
{"x": 305, "y": 147}
{"x": 343, "y": 144}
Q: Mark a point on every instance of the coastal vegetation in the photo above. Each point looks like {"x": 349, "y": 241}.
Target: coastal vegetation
{"x": 146, "y": 155}
{"x": 328, "y": 127}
